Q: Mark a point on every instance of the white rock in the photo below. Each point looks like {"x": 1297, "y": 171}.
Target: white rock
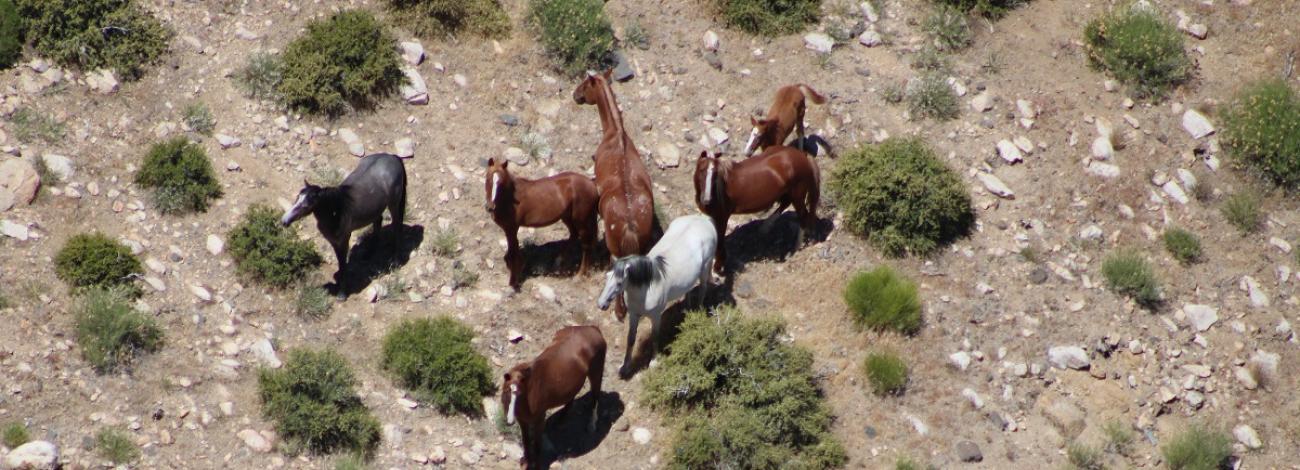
{"x": 869, "y": 12}
{"x": 1258, "y": 298}
{"x": 1280, "y": 244}
{"x": 1201, "y": 317}
{"x": 819, "y": 42}
{"x": 1246, "y": 379}
{"x": 414, "y": 91}
{"x": 1175, "y": 192}
{"x": 1068, "y": 357}
{"x": 960, "y": 360}
{"x": 917, "y": 424}
{"x": 995, "y": 185}
{"x": 1102, "y": 148}
{"x": 375, "y": 292}
{"x": 1026, "y": 109}
{"x": 34, "y": 455}
{"x": 155, "y": 283}
{"x": 870, "y": 38}
{"x": 412, "y": 52}
{"x": 1091, "y": 233}
{"x": 348, "y": 136}
{"x": 711, "y": 41}
{"x": 1187, "y": 178}
{"x": 718, "y": 136}
{"x": 227, "y": 141}
{"x": 546, "y": 292}
{"x": 469, "y": 457}
{"x": 19, "y": 178}
{"x": 516, "y": 155}
{"x": 958, "y": 87}
{"x": 641, "y": 435}
{"x": 243, "y": 33}
{"x": 265, "y": 352}
{"x": 1009, "y": 152}
{"x": 103, "y": 81}
{"x": 404, "y": 147}
{"x": 981, "y": 102}
{"x": 1104, "y": 170}
{"x": 202, "y": 293}
{"x": 1197, "y": 124}
{"x": 974, "y": 398}
{"x": 1198, "y": 31}
{"x": 215, "y": 245}
{"x": 254, "y": 440}
{"x": 12, "y": 230}
{"x": 667, "y": 155}
{"x": 1247, "y": 436}
{"x": 1024, "y": 144}
{"x": 59, "y": 165}
{"x": 1266, "y": 363}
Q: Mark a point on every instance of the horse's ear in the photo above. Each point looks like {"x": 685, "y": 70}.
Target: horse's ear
{"x": 704, "y": 154}
{"x": 505, "y": 164}
{"x": 305, "y": 184}
{"x": 491, "y": 161}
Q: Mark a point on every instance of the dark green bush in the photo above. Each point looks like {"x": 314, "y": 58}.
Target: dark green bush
{"x": 575, "y": 33}
{"x": 1242, "y": 209}
{"x": 315, "y": 406}
{"x": 94, "y": 260}
{"x": 268, "y": 252}
{"x": 93, "y": 34}
{"x": 985, "y": 8}
{"x": 111, "y": 331}
{"x": 180, "y": 176}
{"x": 450, "y": 17}
{"x": 116, "y": 446}
{"x": 1129, "y": 274}
{"x": 11, "y": 34}
{"x": 435, "y": 360}
{"x": 1140, "y": 49}
{"x": 15, "y": 434}
{"x": 932, "y": 97}
{"x": 1198, "y": 448}
{"x": 880, "y": 299}
{"x": 348, "y": 61}
{"x": 1261, "y": 130}
{"x": 886, "y": 372}
{"x": 769, "y": 17}
{"x": 901, "y": 197}
{"x": 1183, "y": 245}
{"x": 745, "y": 396}
{"x": 948, "y": 28}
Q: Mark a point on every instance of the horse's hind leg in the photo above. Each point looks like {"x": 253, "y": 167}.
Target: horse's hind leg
{"x": 595, "y": 374}
{"x": 341, "y": 253}
{"x": 705, "y": 277}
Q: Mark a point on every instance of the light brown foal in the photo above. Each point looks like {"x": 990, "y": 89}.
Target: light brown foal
{"x": 520, "y": 202}
{"x": 576, "y": 355}
{"x": 785, "y": 115}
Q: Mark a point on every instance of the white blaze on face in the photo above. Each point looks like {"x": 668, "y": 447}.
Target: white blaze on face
{"x": 514, "y": 396}
{"x": 708, "y": 185}
{"x": 753, "y": 139}
{"x": 288, "y": 215}
{"x": 496, "y": 183}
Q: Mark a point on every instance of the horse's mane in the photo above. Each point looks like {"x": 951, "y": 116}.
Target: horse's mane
{"x": 722, "y": 170}
{"x": 641, "y": 269}
{"x": 335, "y": 198}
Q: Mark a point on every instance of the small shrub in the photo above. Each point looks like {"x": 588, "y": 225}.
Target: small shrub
{"x": 1082, "y": 457}
{"x": 901, "y": 197}
{"x": 199, "y": 118}
{"x": 11, "y": 34}
{"x": 1129, "y": 274}
{"x": 314, "y": 404}
{"x": 436, "y": 18}
{"x": 116, "y": 446}
{"x": 15, "y": 434}
{"x": 110, "y": 331}
{"x": 880, "y": 299}
{"x": 887, "y": 373}
{"x": 930, "y": 59}
{"x": 1203, "y": 190}
{"x": 1261, "y": 130}
{"x": 462, "y": 277}
{"x": 892, "y": 93}
{"x": 906, "y": 463}
{"x": 268, "y": 252}
{"x": 313, "y": 302}
{"x": 445, "y": 243}
{"x": 1242, "y": 211}
{"x": 932, "y": 97}
{"x": 637, "y": 36}
{"x": 1183, "y": 245}
{"x": 260, "y": 77}
{"x": 985, "y": 8}
{"x": 1139, "y": 48}
{"x": 575, "y": 33}
{"x": 30, "y": 125}
{"x": 350, "y": 462}
{"x": 180, "y": 176}
{"x": 96, "y": 34}
{"x": 948, "y": 28}
{"x": 1197, "y": 448}
{"x": 745, "y": 396}
{"x": 94, "y": 260}
{"x": 768, "y": 17}
{"x": 345, "y": 62}
{"x": 1119, "y": 438}
{"x": 435, "y": 360}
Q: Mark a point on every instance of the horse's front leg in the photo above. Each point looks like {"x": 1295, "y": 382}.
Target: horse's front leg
{"x": 705, "y": 276}
{"x": 624, "y": 371}
{"x": 514, "y": 259}
{"x": 720, "y": 252}
{"x": 341, "y": 253}
{"x": 527, "y": 439}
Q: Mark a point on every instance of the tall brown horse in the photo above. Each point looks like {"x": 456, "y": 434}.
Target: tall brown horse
{"x": 626, "y": 198}
{"x": 520, "y": 202}
{"x": 779, "y": 175}
{"x": 554, "y": 378}
{"x": 785, "y": 115}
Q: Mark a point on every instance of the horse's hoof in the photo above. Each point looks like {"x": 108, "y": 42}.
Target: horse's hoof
{"x": 624, "y": 373}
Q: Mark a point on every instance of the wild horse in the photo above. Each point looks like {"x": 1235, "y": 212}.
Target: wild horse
{"x": 576, "y": 355}
{"x": 786, "y": 114}
{"x": 520, "y": 202}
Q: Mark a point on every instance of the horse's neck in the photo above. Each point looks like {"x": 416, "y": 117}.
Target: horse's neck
{"x": 611, "y": 120}
{"x": 330, "y": 210}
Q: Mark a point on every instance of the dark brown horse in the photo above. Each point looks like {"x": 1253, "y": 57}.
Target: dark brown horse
{"x": 626, "y": 198}
{"x": 554, "y": 378}
{"x": 520, "y": 202}
{"x": 785, "y": 115}
{"x": 779, "y": 175}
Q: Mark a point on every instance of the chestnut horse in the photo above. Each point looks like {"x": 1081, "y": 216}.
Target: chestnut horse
{"x": 779, "y": 175}
{"x": 786, "y": 114}
{"x": 576, "y": 355}
{"x": 626, "y": 198}
{"x": 520, "y": 202}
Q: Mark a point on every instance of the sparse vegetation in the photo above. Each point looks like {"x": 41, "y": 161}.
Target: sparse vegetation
{"x": 1183, "y": 245}
{"x": 575, "y": 33}
{"x": 768, "y": 17}
{"x": 11, "y": 34}
{"x": 1242, "y": 209}
{"x": 313, "y": 302}
{"x": 260, "y": 77}
{"x": 1197, "y": 448}
{"x": 906, "y": 463}
{"x": 930, "y": 59}
{"x": 881, "y": 299}
{"x": 1129, "y": 274}
{"x": 110, "y": 331}
{"x": 948, "y": 28}
{"x": 45, "y": 173}
{"x": 437, "y": 18}
{"x": 901, "y": 197}
{"x": 1261, "y": 130}
{"x": 931, "y": 96}
{"x": 886, "y": 372}
{"x": 462, "y": 276}
{"x": 180, "y": 176}
{"x": 348, "y": 61}
{"x": 435, "y": 360}
{"x": 636, "y": 36}
{"x": 314, "y": 404}
{"x": 985, "y": 8}
{"x": 1139, "y": 48}
{"x": 445, "y": 243}
{"x": 1119, "y": 438}
{"x": 892, "y": 93}
{"x": 199, "y": 118}
{"x": 268, "y": 252}
{"x": 29, "y": 125}
{"x": 1082, "y": 457}
{"x": 91, "y": 260}
{"x": 350, "y": 462}
{"x": 15, "y": 434}
{"x": 96, "y": 34}
{"x": 770, "y": 416}
{"x": 116, "y": 446}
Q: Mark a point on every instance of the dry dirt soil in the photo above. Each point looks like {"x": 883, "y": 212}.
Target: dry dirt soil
{"x": 1027, "y": 278}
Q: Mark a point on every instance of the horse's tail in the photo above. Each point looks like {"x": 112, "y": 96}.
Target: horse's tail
{"x": 402, "y": 203}
{"x": 818, "y": 140}
{"x": 814, "y": 194}
{"x": 812, "y": 94}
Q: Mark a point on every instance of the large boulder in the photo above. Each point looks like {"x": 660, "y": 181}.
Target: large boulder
{"x": 19, "y": 177}
{"x": 35, "y": 455}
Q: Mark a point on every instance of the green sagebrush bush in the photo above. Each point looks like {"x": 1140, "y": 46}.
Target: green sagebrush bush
{"x": 348, "y": 61}
{"x": 948, "y": 28}
{"x": 1243, "y": 210}
{"x": 1129, "y": 274}
{"x": 985, "y": 8}
{"x": 451, "y": 17}
{"x": 1184, "y": 246}
{"x": 116, "y": 446}
{"x": 1139, "y": 48}
{"x": 14, "y": 435}
{"x": 180, "y": 176}
{"x": 110, "y": 331}
{"x": 881, "y": 299}
{"x": 11, "y": 34}
{"x": 576, "y": 34}
{"x": 1197, "y": 448}
{"x": 90, "y": 260}
{"x": 313, "y": 402}
{"x": 886, "y": 372}
{"x": 93, "y": 34}
{"x": 1261, "y": 130}
{"x": 268, "y": 252}
{"x": 769, "y": 17}
{"x": 930, "y": 96}
{"x": 435, "y": 360}
{"x": 901, "y": 197}
{"x": 745, "y": 396}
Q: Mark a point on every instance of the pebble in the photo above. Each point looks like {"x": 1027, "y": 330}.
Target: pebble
{"x": 1009, "y": 152}
{"x": 469, "y": 457}
{"x": 254, "y": 440}
{"x": 960, "y": 359}
{"x": 265, "y": 352}
{"x": 1258, "y": 298}
{"x": 404, "y": 147}
{"x": 227, "y": 141}
{"x": 711, "y": 41}
{"x": 412, "y": 52}
{"x": 871, "y": 38}
{"x": 1102, "y": 149}
{"x": 202, "y": 293}
{"x": 1247, "y": 436}
{"x": 14, "y": 230}
{"x": 969, "y": 451}
{"x": 641, "y": 435}
{"x": 415, "y": 91}
{"x": 1201, "y": 317}
{"x": 819, "y": 42}
{"x": 974, "y": 398}
{"x": 995, "y": 185}
{"x": 215, "y": 245}
{"x": 981, "y": 102}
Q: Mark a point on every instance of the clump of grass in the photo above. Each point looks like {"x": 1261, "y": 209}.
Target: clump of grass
{"x": 92, "y": 260}
{"x": 1242, "y": 210}
{"x": 1119, "y": 438}
{"x": 932, "y": 97}
{"x": 576, "y": 34}
{"x": 906, "y": 463}
{"x": 1197, "y": 448}
{"x": 438, "y": 18}
{"x": 436, "y": 361}
{"x": 313, "y": 302}
{"x": 1261, "y": 130}
{"x": 1082, "y": 457}
{"x": 985, "y": 8}
{"x": 1139, "y": 48}
{"x": 886, "y": 372}
{"x": 768, "y": 17}
{"x": 268, "y": 252}
{"x": 15, "y": 434}
{"x": 445, "y": 243}
{"x": 930, "y": 59}
{"x": 11, "y": 34}
{"x": 116, "y": 446}
{"x": 892, "y": 93}
{"x": 350, "y": 462}
{"x": 1129, "y": 274}
{"x": 327, "y": 176}
{"x": 636, "y": 35}
{"x": 96, "y": 34}
{"x": 348, "y": 61}
{"x": 1183, "y": 245}
{"x": 948, "y": 28}
{"x": 260, "y": 77}
{"x": 314, "y": 404}
{"x": 180, "y": 176}
{"x": 199, "y": 118}
{"x": 45, "y": 173}
{"x": 462, "y": 277}
{"x": 1203, "y": 190}
{"x": 110, "y": 331}
{"x": 881, "y": 299}
{"x": 29, "y": 125}
{"x": 901, "y": 197}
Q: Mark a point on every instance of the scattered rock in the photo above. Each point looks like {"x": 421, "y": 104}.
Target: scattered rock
{"x": 34, "y": 455}
{"x": 1258, "y": 298}
{"x": 254, "y": 440}
{"x": 1091, "y": 233}
{"x": 15, "y": 231}
{"x": 995, "y": 185}
{"x": 623, "y": 70}
{"x": 412, "y": 52}
{"x": 818, "y": 42}
{"x": 641, "y": 435}
{"x": 19, "y": 177}
{"x": 214, "y": 245}
{"x": 59, "y": 165}
{"x": 981, "y": 102}
{"x": 415, "y": 91}
{"x": 265, "y": 352}
{"x": 1104, "y": 170}
{"x": 969, "y": 451}
{"x": 667, "y": 155}
{"x": 960, "y": 360}
{"x": 202, "y": 293}
{"x": 1102, "y": 149}
{"x": 1009, "y": 151}
{"x": 1197, "y": 124}
{"x": 1247, "y": 436}
{"x": 103, "y": 81}
{"x": 870, "y": 38}
{"x": 1175, "y": 192}
{"x": 516, "y": 156}
{"x": 1201, "y": 317}
{"x": 1068, "y": 357}
{"x": 227, "y": 141}
{"x": 404, "y": 147}
{"x": 1066, "y": 417}
{"x": 711, "y": 41}
{"x": 974, "y": 398}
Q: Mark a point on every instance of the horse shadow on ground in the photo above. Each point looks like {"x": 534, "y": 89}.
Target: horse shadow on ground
{"x": 557, "y": 257}
{"x": 671, "y": 321}
{"x": 567, "y": 429}
{"x": 375, "y": 255}
{"x": 749, "y": 243}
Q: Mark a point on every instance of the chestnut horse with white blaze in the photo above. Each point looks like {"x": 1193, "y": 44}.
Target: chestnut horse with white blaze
{"x": 520, "y": 202}
{"x": 786, "y": 114}
{"x": 626, "y": 198}
{"x": 576, "y": 355}
{"x": 780, "y": 175}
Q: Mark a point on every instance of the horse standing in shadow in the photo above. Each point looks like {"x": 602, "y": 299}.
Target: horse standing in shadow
{"x": 520, "y": 202}
{"x": 576, "y": 355}
{"x": 378, "y": 183}
{"x": 785, "y": 115}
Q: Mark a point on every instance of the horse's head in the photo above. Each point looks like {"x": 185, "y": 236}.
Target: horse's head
{"x": 614, "y": 283}
{"x": 307, "y": 199}
{"x": 706, "y": 172}
{"x": 759, "y": 135}
{"x": 512, "y": 385}
{"x": 498, "y": 183}
{"x": 591, "y": 88}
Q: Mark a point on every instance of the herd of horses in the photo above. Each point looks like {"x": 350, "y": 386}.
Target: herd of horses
{"x": 645, "y": 276}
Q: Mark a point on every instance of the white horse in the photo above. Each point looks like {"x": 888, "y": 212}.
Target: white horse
{"x": 649, "y": 284}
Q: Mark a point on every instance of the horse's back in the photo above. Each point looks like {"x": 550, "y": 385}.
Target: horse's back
{"x": 570, "y": 355}
{"x": 383, "y": 168}
{"x": 690, "y": 240}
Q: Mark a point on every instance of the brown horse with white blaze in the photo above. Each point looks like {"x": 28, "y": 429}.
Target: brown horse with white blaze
{"x": 626, "y": 198}
{"x": 785, "y": 115}
{"x": 780, "y": 175}
{"x": 576, "y": 355}
{"x": 520, "y": 202}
